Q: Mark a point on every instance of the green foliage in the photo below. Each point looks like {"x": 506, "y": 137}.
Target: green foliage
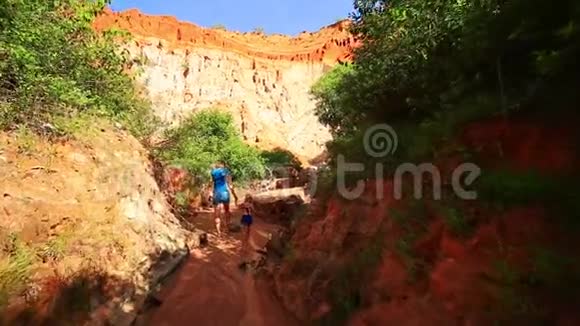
{"x": 414, "y": 215}
{"x": 181, "y": 199}
{"x": 259, "y": 30}
{"x": 290, "y": 254}
{"x": 557, "y": 272}
{"x": 456, "y": 221}
{"x": 552, "y": 272}
{"x": 219, "y": 27}
{"x": 423, "y": 58}
{"x": 280, "y": 157}
{"x": 332, "y": 108}
{"x": 402, "y": 68}
{"x": 83, "y": 125}
{"x": 345, "y": 286}
{"x": 325, "y": 184}
{"x": 205, "y": 138}
{"x": 506, "y": 188}
{"x": 418, "y": 142}
{"x": 413, "y": 220}
{"x": 515, "y": 302}
{"x": 510, "y": 298}
{"x": 55, "y": 65}
{"x": 429, "y": 67}
{"x": 509, "y": 187}
{"x": 298, "y": 216}
{"x": 25, "y": 140}
{"x": 54, "y": 249}
{"x": 15, "y": 267}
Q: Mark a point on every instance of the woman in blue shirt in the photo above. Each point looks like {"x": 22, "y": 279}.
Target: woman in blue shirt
{"x": 222, "y": 186}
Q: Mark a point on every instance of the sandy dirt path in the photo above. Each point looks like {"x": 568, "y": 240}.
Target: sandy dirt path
{"x": 210, "y": 289}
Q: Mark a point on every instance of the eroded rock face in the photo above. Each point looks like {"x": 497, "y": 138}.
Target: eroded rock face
{"x": 95, "y": 214}
{"x": 421, "y": 272}
{"x": 263, "y": 81}
{"x": 277, "y": 206}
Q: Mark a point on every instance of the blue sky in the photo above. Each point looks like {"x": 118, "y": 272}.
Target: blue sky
{"x": 274, "y": 16}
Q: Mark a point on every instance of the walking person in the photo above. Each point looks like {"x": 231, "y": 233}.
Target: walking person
{"x": 246, "y": 222}
{"x": 222, "y": 187}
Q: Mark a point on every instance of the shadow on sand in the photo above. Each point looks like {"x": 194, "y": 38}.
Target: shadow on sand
{"x": 212, "y": 289}
{"x": 90, "y": 294}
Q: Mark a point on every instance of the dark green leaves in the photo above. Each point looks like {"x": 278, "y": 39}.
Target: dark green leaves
{"x": 207, "y": 137}
{"x": 54, "y": 64}
{"x": 421, "y": 58}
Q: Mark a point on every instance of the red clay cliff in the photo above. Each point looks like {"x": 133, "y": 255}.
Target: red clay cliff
{"x": 329, "y": 45}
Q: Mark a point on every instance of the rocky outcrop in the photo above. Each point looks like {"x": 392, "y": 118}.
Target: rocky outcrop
{"x": 278, "y": 206}
{"x": 263, "y": 81}
{"x": 329, "y": 45}
{"x": 373, "y": 261}
{"x": 97, "y": 221}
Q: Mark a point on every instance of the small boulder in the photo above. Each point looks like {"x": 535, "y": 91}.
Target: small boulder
{"x": 278, "y": 206}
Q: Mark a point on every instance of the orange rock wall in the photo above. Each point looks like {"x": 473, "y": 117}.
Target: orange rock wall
{"x": 264, "y": 81}
{"x": 426, "y": 274}
{"x": 329, "y": 45}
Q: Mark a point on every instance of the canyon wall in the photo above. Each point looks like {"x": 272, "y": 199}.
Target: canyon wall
{"x": 376, "y": 260}
{"x": 263, "y": 81}
{"x": 91, "y": 230}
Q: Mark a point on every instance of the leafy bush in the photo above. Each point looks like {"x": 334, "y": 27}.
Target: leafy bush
{"x": 427, "y": 68}
{"x": 419, "y": 59}
{"x": 219, "y": 27}
{"x": 413, "y": 221}
{"x": 280, "y": 157}
{"x": 508, "y": 187}
{"x": 16, "y": 259}
{"x": 344, "y": 288}
{"x": 206, "y": 137}
{"x": 456, "y": 221}
{"x": 555, "y": 269}
{"x": 259, "y": 30}
{"x": 55, "y": 65}
{"x": 325, "y": 184}
{"x": 332, "y": 108}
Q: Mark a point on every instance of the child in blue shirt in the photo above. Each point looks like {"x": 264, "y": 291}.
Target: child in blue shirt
{"x": 246, "y": 223}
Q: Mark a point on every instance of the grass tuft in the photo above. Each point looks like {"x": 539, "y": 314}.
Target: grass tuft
{"x": 16, "y": 261}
